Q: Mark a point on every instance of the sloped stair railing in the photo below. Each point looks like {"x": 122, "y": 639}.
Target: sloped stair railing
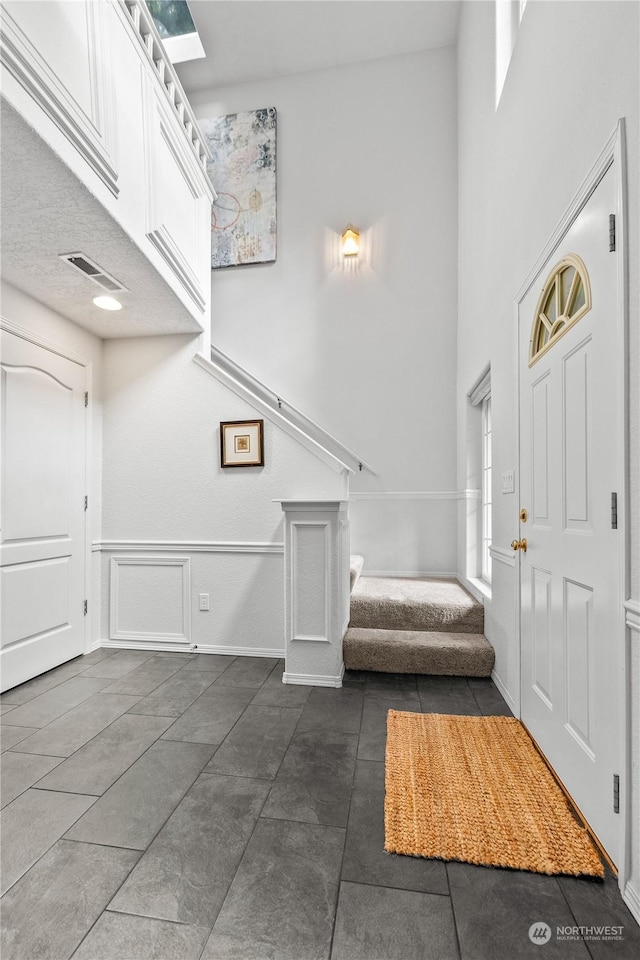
{"x": 288, "y": 412}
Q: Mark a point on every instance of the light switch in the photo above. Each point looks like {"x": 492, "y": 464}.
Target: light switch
{"x": 204, "y": 601}
{"x": 508, "y": 485}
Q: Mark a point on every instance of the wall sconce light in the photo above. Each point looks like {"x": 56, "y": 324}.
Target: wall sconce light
{"x": 350, "y": 241}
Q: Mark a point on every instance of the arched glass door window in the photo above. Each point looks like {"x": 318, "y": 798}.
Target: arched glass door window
{"x": 565, "y": 298}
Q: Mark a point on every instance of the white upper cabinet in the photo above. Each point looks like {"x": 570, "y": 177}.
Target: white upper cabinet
{"x": 58, "y": 53}
{"x": 94, "y": 90}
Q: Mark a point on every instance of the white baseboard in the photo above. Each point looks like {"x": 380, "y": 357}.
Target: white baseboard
{"x": 94, "y": 646}
{"x": 632, "y": 899}
{"x": 310, "y": 680}
{"x": 277, "y": 652}
{"x": 153, "y": 645}
{"x": 505, "y": 693}
{"x": 478, "y": 590}
{"x": 407, "y": 573}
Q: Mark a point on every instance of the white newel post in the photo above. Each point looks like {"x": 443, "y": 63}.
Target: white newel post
{"x": 316, "y": 576}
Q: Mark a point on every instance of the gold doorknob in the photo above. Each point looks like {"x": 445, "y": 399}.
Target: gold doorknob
{"x": 519, "y": 545}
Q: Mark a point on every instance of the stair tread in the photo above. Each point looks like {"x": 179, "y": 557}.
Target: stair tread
{"x": 415, "y": 603}
{"x": 417, "y": 636}
{"x": 432, "y": 652}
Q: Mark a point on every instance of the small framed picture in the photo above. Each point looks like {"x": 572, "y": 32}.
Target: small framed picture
{"x": 241, "y": 443}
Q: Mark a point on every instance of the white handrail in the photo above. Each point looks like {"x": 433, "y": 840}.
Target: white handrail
{"x": 290, "y": 412}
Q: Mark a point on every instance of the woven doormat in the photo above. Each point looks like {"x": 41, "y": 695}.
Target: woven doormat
{"x": 475, "y": 789}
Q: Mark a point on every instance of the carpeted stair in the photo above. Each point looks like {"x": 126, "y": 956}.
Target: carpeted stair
{"x": 415, "y": 625}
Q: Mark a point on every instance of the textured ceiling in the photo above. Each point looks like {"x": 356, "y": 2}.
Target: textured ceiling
{"x": 46, "y": 211}
{"x": 255, "y": 39}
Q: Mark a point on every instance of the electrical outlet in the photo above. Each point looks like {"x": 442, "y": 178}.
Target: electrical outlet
{"x": 204, "y": 601}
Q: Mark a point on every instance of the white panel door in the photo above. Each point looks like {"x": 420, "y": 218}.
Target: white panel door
{"x": 42, "y": 561}
{"x": 570, "y": 437}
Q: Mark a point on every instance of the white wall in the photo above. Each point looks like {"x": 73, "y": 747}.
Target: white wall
{"x": 164, "y": 489}
{"x": 33, "y": 316}
{"x": 366, "y": 349}
{"x": 573, "y": 73}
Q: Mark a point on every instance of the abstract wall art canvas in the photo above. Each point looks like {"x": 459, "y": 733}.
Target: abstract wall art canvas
{"x": 243, "y": 172}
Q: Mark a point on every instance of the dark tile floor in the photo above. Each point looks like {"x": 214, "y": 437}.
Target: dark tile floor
{"x": 183, "y": 806}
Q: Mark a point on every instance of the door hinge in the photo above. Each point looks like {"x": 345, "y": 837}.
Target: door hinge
{"x": 86, "y": 501}
{"x": 86, "y": 399}
{"x": 86, "y": 607}
{"x": 616, "y": 793}
{"x": 612, "y": 232}
{"x": 614, "y": 511}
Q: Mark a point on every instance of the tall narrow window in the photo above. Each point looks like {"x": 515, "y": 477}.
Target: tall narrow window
{"x": 486, "y": 489}
{"x": 508, "y": 14}
{"x": 479, "y": 460}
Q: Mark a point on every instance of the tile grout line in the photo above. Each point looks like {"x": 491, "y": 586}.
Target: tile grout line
{"x": 575, "y": 919}
{"x": 145, "y": 752}
{"x": 453, "y": 909}
{"x": 346, "y": 828}
{"x": 104, "y": 910}
{"x": 119, "y": 777}
{"x": 106, "y": 846}
{"x": 45, "y": 852}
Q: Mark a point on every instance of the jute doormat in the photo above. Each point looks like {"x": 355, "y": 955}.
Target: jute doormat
{"x": 475, "y": 789}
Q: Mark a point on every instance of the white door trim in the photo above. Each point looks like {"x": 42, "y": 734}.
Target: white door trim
{"x": 11, "y": 327}
{"x": 54, "y": 347}
{"x": 614, "y": 152}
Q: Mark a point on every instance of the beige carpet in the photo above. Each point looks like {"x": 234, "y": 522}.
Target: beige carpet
{"x": 410, "y": 651}
{"x": 415, "y": 603}
{"x": 475, "y": 789}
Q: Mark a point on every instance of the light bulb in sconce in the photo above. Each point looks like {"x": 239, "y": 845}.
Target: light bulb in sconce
{"x": 350, "y": 241}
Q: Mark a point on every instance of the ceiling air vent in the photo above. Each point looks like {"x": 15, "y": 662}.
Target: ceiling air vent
{"x": 93, "y": 271}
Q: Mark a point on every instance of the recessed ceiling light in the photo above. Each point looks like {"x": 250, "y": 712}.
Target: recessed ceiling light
{"x": 107, "y": 303}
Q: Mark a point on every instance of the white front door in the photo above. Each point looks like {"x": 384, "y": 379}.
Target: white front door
{"x": 570, "y": 455}
{"x": 42, "y": 560}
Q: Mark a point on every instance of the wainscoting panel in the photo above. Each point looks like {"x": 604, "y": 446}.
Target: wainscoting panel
{"x": 310, "y": 558}
{"x": 150, "y": 599}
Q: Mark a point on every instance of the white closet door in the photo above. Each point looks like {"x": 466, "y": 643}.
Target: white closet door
{"x": 42, "y": 561}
